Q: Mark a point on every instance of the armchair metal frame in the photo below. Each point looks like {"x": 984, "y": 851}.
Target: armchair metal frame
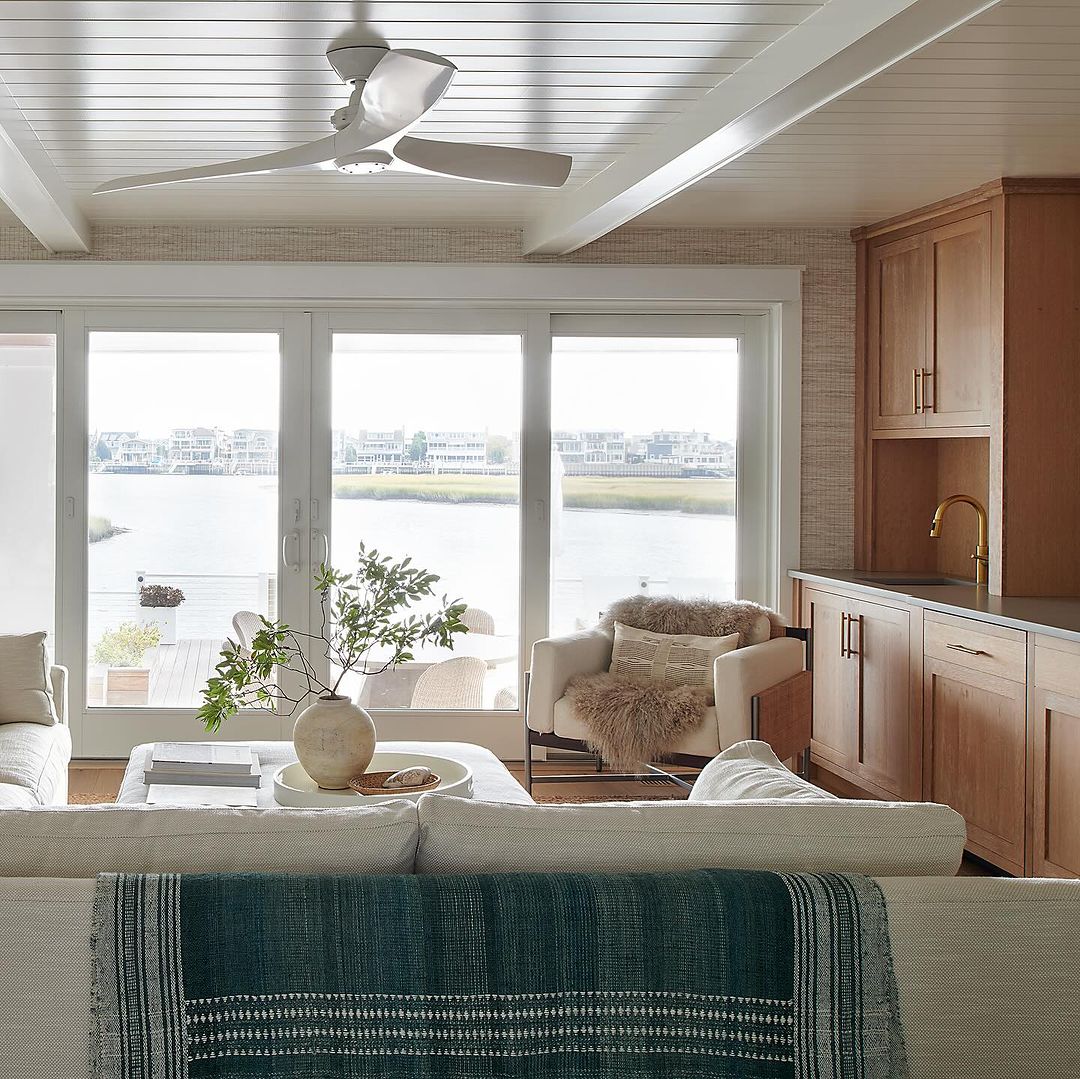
{"x": 781, "y": 715}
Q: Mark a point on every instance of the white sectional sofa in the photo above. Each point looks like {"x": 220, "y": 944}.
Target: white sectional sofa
{"x": 988, "y": 970}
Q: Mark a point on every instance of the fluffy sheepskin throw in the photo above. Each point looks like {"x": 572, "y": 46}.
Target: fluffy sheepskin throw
{"x": 705, "y": 617}
{"x": 631, "y": 722}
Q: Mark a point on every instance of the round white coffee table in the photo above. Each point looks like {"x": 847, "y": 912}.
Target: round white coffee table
{"x": 294, "y": 788}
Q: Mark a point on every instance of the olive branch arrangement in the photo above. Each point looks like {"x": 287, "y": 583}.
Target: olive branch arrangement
{"x": 360, "y": 611}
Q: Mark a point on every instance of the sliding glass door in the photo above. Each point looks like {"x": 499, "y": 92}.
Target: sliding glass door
{"x": 425, "y": 463}
{"x": 644, "y": 459}
{"x": 182, "y": 534}
{"x": 542, "y": 465}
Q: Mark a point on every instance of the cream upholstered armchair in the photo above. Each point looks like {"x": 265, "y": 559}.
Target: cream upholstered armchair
{"x": 763, "y": 691}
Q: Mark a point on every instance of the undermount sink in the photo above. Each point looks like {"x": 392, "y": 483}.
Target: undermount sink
{"x": 914, "y": 581}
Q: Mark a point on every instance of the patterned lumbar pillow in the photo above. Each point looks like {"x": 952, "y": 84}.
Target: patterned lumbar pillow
{"x": 675, "y": 659}
{"x": 25, "y": 696}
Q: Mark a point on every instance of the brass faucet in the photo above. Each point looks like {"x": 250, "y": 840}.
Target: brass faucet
{"x": 982, "y": 551}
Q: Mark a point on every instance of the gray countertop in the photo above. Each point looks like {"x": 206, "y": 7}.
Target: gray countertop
{"x": 1057, "y": 617}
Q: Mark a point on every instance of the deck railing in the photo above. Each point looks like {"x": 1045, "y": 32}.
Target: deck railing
{"x": 210, "y": 601}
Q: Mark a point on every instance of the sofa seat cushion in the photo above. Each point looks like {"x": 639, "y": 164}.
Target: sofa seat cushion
{"x": 25, "y": 688}
{"x": 702, "y": 740}
{"x": 751, "y": 770}
{"x": 35, "y": 757}
{"x": 458, "y": 835}
{"x": 82, "y": 841}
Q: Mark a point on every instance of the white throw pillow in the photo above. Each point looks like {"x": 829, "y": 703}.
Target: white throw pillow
{"x": 751, "y": 771}
{"x": 25, "y": 693}
{"x": 82, "y": 841}
{"x": 888, "y": 839}
{"x": 675, "y": 659}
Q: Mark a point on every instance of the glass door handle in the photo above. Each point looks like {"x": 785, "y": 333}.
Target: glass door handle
{"x": 294, "y": 566}
{"x": 316, "y": 534}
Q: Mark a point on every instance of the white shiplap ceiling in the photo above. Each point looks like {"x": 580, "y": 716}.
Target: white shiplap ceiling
{"x": 112, "y": 88}
{"x": 1000, "y": 96}
{"x": 118, "y": 88}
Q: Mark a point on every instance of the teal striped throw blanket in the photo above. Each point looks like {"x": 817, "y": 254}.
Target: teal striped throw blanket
{"x": 712, "y": 973}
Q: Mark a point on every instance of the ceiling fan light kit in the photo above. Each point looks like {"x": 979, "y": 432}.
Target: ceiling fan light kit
{"x": 392, "y": 90}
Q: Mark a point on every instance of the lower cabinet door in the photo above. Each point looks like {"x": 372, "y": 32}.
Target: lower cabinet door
{"x": 1055, "y": 833}
{"x": 835, "y": 680}
{"x": 889, "y": 728}
{"x": 978, "y": 756}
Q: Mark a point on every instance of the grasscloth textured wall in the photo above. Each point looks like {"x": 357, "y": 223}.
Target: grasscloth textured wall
{"x": 828, "y": 309}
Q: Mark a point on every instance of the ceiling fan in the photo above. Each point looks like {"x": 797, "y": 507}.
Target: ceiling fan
{"x": 392, "y": 90}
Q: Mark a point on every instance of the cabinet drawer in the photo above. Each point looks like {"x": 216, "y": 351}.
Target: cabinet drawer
{"x": 978, "y": 646}
{"x": 1057, "y": 665}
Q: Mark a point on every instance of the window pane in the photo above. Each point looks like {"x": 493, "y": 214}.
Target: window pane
{"x": 184, "y": 494}
{"x": 28, "y": 481}
{"x": 643, "y": 471}
{"x": 426, "y": 465}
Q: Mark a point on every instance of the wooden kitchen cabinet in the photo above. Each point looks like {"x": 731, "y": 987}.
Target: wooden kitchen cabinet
{"x": 867, "y": 716}
{"x": 960, "y": 379}
{"x": 976, "y": 725}
{"x": 966, "y": 331}
{"x": 929, "y": 327}
{"x": 897, "y": 316}
{"x": 1054, "y": 731}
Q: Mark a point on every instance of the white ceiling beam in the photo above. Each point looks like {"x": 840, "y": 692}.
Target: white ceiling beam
{"x": 32, "y": 188}
{"x": 840, "y": 46}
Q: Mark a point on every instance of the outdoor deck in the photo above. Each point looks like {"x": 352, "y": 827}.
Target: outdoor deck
{"x": 180, "y": 671}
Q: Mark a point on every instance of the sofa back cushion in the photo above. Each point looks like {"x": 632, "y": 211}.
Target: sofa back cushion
{"x": 82, "y": 841}
{"x": 751, "y": 770}
{"x": 25, "y": 691}
{"x": 876, "y": 838}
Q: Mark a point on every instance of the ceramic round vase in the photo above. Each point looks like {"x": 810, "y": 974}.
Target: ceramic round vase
{"x": 334, "y": 741}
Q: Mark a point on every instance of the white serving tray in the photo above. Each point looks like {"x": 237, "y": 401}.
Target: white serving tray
{"x": 294, "y": 788}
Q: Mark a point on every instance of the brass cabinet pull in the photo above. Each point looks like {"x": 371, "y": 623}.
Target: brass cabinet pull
{"x": 846, "y": 620}
{"x": 854, "y": 651}
{"x": 969, "y": 651}
{"x": 923, "y": 405}
{"x": 914, "y": 392}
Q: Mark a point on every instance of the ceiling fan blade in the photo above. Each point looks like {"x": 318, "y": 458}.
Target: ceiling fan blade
{"x": 489, "y": 164}
{"x": 405, "y": 84}
{"x": 310, "y": 153}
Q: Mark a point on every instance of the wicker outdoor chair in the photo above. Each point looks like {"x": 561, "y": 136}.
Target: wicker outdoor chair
{"x": 245, "y": 625}
{"x": 478, "y": 620}
{"x": 454, "y": 683}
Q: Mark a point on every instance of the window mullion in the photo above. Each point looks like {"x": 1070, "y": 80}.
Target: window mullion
{"x": 535, "y": 482}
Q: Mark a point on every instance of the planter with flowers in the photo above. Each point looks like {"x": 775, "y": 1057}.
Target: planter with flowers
{"x": 157, "y": 607}
{"x": 122, "y": 652}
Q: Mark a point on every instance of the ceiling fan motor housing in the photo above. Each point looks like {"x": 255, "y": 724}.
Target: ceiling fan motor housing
{"x": 354, "y": 63}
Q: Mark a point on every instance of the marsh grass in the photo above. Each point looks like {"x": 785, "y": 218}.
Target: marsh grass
{"x": 697, "y": 495}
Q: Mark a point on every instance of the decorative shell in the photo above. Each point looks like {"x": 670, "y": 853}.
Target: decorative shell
{"x": 415, "y": 776}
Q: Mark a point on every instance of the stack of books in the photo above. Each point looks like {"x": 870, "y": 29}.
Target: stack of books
{"x": 202, "y": 773}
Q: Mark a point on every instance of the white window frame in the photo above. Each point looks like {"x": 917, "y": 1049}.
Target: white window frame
{"x": 306, "y": 300}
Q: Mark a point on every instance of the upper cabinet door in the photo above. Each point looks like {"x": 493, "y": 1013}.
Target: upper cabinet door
{"x": 898, "y": 285}
{"x": 956, "y": 391}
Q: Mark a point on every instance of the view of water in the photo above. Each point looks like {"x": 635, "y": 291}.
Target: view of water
{"x": 227, "y": 525}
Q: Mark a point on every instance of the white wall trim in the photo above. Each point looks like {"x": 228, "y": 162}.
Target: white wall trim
{"x": 363, "y": 284}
